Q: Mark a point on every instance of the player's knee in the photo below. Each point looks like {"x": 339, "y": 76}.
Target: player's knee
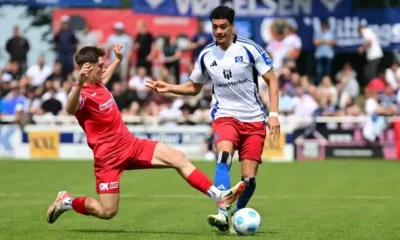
{"x": 109, "y": 213}
{"x": 224, "y": 158}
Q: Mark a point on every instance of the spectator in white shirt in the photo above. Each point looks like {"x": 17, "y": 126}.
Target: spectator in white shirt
{"x": 169, "y": 115}
{"x": 293, "y": 44}
{"x": 123, "y": 38}
{"x": 373, "y": 51}
{"x": 392, "y": 75}
{"x": 327, "y": 91}
{"x": 138, "y": 84}
{"x": 276, "y": 47}
{"x": 38, "y": 73}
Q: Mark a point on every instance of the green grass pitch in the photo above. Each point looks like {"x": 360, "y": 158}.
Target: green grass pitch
{"x": 312, "y": 200}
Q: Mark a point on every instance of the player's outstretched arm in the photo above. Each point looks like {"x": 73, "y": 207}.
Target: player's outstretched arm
{"x": 188, "y": 88}
{"x": 273, "y": 90}
{"x": 111, "y": 69}
{"x": 73, "y": 98}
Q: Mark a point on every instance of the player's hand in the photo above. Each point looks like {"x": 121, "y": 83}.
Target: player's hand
{"x": 274, "y": 128}
{"x": 158, "y": 86}
{"x": 84, "y": 73}
{"x": 117, "y": 51}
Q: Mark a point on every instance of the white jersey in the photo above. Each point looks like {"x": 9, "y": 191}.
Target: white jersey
{"x": 234, "y": 75}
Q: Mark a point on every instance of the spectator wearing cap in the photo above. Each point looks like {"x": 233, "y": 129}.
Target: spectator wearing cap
{"x": 373, "y": 50}
{"x": 144, "y": 45}
{"x": 65, "y": 46}
{"x": 18, "y": 48}
{"x": 123, "y": 38}
{"x": 324, "y": 41}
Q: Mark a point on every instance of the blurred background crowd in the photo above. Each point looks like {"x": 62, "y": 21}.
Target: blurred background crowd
{"x": 42, "y": 88}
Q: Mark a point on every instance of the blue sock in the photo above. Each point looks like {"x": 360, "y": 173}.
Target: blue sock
{"x": 222, "y": 176}
{"x": 247, "y": 194}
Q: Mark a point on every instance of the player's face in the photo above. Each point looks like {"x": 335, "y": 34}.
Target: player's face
{"x": 222, "y": 30}
{"x": 98, "y": 70}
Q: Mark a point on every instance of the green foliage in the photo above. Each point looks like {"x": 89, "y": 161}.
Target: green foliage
{"x": 41, "y": 17}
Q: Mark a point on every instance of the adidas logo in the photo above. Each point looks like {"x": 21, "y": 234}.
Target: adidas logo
{"x": 214, "y": 64}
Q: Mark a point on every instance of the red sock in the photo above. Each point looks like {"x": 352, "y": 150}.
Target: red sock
{"x": 199, "y": 180}
{"x": 78, "y": 204}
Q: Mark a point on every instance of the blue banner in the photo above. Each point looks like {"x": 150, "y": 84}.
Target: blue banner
{"x": 64, "y": 3}
{"x": 306, "y": 14}
{"x": 33, "y": 3}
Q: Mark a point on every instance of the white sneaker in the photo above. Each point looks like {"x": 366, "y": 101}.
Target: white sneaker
{"x": 219, "y": 221}
{"x": 56, "y": 209}
{"x": 230, "y": 196}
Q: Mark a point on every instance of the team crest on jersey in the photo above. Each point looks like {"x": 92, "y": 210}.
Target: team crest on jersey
{"x": 216, "y": 136}
{"x": 266, "y": 58}
{"x": 239, "y": 59}
{"x": 227, "y": 73}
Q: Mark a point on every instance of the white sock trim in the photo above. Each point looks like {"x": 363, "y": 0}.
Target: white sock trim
{"x": 67, "y": 203}
{"x": 214, "y": 193}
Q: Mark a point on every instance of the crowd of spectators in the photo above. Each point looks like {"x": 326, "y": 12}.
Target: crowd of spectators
{"x": 42, "y": 89}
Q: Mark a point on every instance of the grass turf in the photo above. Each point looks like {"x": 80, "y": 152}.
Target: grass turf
{"x": 312, "y": 200}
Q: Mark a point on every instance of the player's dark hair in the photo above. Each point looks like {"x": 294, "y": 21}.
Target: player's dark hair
{"x": 223, "y": 12}
{"x": 89, "y": 54}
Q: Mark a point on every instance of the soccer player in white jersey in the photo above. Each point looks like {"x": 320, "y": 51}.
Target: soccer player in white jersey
{"x": 233, "y": 64}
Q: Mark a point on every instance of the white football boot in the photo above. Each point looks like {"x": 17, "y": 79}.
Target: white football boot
{"x": 56, "y": 209}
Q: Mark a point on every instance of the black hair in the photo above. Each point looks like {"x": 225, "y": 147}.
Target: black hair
{"x": 223, "y": 12}
{"x": 89, "y": 54}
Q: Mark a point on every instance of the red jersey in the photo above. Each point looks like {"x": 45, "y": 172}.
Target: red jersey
{"x": 101, "y": 120}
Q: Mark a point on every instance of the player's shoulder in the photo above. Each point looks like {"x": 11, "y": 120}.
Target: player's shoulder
{"x": 208, "y": 48}
{"x": 249, "y": 44}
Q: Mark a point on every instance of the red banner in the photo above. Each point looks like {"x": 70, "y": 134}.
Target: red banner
{"x": 102, "y": 20}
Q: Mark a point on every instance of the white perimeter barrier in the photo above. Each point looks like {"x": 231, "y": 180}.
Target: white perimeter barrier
{"x": 62, "y": 138}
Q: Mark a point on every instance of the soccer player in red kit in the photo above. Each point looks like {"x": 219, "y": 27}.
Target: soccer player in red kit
{"x": 115, "y": 148}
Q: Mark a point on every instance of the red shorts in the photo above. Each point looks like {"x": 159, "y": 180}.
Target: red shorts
{"x": 247, "y": 137}
{"x": 137, "y": 155}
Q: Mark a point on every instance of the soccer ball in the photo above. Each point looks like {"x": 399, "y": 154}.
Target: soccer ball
{"x": 246, "y": 221}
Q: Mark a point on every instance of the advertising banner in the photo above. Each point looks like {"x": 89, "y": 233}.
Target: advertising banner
{"x": 102, "y": 21}
{"x": 44, "y": 144}
{"x": 343, "y": 143}
{"x": 304, "y": 14}
{"x": 64, "y": 3}
{"x": 9, "y": 134}
{"x": 69, "y": 142}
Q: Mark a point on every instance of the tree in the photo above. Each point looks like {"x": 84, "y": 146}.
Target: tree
{"x": 41, "y": 17}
